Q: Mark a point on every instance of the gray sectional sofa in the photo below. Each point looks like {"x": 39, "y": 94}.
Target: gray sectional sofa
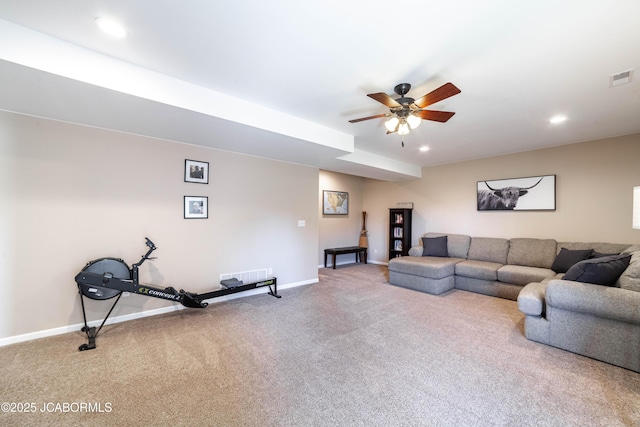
{"x": 602, "y": 322}
{"x": 491, "y": 266}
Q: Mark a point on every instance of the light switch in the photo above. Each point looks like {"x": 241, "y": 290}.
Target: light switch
{"x": 301, "y": 223}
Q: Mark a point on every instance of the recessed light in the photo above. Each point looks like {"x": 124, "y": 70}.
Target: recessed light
{"x": 111, "y": 27}
{"x": 424, "y": 148}
{"x": 557, "y": 119}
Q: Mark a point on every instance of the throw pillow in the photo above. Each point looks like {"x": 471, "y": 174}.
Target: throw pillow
{"x": 567, "y": 258}
{"x": 599, "y": 271}
{"x": 435, "y": 246}
{"x": 597, "y": 254}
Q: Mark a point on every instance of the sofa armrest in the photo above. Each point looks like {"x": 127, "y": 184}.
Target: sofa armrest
{"x": 602, "y": 301}
{"x": 531, "y": 299}
{"x": 415, "y": 251}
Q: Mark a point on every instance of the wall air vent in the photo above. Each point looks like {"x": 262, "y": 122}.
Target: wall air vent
{"x": 621, "y": 78}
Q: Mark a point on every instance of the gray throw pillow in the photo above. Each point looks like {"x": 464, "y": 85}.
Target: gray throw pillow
{"x": 568, "y": 258}
{"x": 597, "y": 254}
{"x": 599, "y": 271}
{"x": 435, "y": 246}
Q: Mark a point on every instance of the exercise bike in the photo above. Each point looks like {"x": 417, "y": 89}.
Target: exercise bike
{"x": 107, "y": 278}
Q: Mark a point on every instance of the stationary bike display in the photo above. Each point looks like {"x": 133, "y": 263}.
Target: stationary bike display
{"x": 106, "y": 278}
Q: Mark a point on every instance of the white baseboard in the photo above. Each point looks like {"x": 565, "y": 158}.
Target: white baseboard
{"x": 347, "y": 262}
{"x": 148, "y": 313}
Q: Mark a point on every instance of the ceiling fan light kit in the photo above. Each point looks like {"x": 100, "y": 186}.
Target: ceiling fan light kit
{"x": 392, "y": 124}
{"x": 413, "y": 121}
{"x": 403, "y": 129}
{"x": 407, "y": 113}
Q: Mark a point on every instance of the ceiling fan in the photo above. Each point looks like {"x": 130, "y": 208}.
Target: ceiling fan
{"x": 407, "y": 113}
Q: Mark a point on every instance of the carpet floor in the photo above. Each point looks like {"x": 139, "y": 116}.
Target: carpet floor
{"x": 351, "y": 350}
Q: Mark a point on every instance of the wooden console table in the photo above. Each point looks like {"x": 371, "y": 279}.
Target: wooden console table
{"x": 358, "y": 250}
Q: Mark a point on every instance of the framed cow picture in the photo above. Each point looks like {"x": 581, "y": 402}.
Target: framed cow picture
{"x": 536, "y": 193}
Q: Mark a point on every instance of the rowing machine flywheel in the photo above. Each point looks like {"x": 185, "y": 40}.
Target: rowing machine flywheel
{"x": 115, "y": 266}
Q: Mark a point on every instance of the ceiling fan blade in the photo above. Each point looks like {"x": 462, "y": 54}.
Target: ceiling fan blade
{"x": 443, "y": 92}
{"x": 385, "y": 99}
{"x": 377, "y": 116}
{"x": 436, "y": 116}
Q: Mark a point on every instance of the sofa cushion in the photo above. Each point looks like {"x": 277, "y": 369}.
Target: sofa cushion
{"x": 457, "y": 244}
{"x": 425, "y": 266}
{"x": 489, "y": 249}
{"x": 558, "y": 276}
{"x": 416, "y": 251}
{"x": 599, "y": 271}
{"x": 630, "y": 278}
{"x": 567, "y": 258}
{"x": 631, "y": 249}
{"x": 602, "y": 301}
{"x": 435, "y": 246}
{"x": 523, "y": 275}
{"x": 532, "y": 252}
{"x": 478, "y": 269}
{"x": 605, "y": 248}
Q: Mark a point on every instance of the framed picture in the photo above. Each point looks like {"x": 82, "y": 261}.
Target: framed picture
{"x": 335, "y": 202}
{"x": 196, "y": 207}
{"x": 195, "y": 171}
{"x": 536, "y": 193}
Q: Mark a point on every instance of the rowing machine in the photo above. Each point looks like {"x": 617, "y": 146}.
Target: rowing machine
{"x": 106, "y": 278}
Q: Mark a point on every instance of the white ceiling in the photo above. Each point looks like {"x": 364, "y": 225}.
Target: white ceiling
{"x": 281, "y": 78}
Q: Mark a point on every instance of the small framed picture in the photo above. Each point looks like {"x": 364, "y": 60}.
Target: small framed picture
{"x": 335, "y": 202}
{"x": 196, "y": 207}
{"x": 195, "y": 171}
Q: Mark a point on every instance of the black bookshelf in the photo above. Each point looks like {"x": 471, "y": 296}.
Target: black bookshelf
{"x": 399, "y": 232}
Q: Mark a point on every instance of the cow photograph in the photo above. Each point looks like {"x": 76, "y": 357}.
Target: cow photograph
{"x": 536, "y": 193}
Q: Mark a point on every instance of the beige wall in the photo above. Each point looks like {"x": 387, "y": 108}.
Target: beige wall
{"x": 71, "y": 194}
{"x": 340, "y": 230}
{"x": 593, "y": 196}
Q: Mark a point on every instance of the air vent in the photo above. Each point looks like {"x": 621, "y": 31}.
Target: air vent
{"x": 250, "y": 276}
{"x": 621, "y": 78}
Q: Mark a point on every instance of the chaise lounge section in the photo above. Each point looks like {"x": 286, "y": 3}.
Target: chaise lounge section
{"x": 595, "y": 320}
{"x": 491, "y": 266}
{"x": 596, "y": 313}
